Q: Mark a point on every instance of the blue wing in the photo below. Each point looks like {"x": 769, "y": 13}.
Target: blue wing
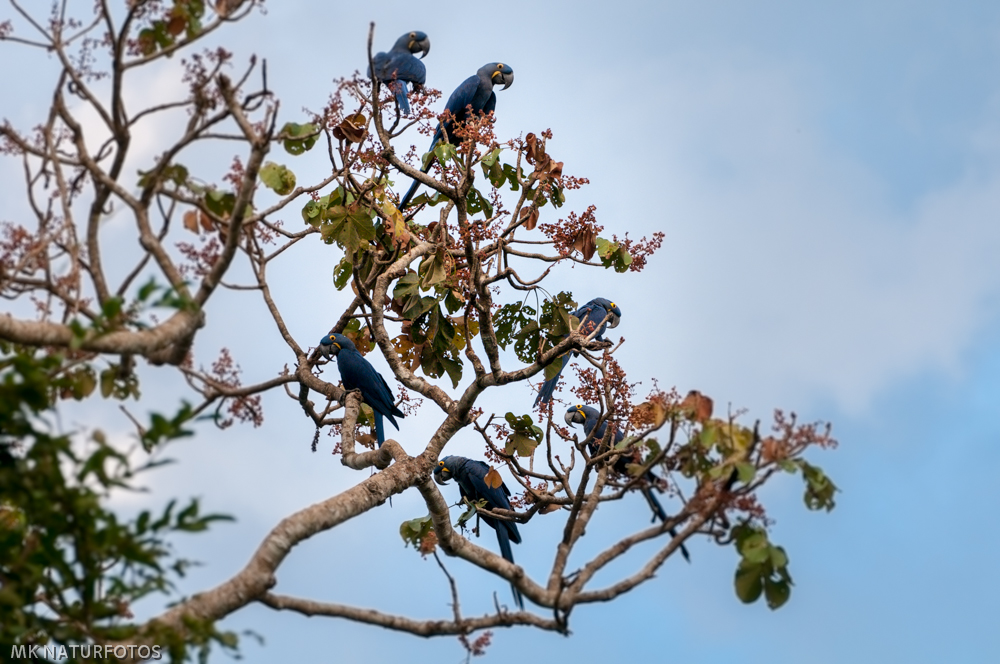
{"x": 463, "y": 95}
{"x": 549, "y": 386}
{"x": 591, "y": 315}
{"x": 357, "y": 373}
{"x": 397, "y": 68}
{"x": 474, "y": 482}
{"x": 622, "y": 467}
{"x": 491, "y": 103}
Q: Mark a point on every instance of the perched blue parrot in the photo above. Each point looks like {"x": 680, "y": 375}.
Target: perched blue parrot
{"x": 475, "y": 91}
{"x": 357, "y": 373}
{"x": 398, "y": 67}
{"x": 471, "y": 478}
{"x": 588, "y": 417}
{"x": 590, "y": 314}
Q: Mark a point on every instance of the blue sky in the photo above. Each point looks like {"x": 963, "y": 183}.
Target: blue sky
{"x": 828, "y": 179}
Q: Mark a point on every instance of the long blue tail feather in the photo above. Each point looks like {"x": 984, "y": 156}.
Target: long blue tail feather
{"x": 379, "y": 428}
{"x": 549, "y": 386}
{"x": 399, "y": 90}
{"x": 503, "y": 539}
{"x": 658, "y": 513}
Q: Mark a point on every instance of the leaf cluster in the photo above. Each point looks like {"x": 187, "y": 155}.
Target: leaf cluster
{"x": 70, "y": 568}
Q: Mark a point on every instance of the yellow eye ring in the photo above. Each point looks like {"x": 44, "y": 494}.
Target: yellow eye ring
{"x": 612, "y": 305}
{"x": 499, "y": 65}
{"x": 413, "y": 35}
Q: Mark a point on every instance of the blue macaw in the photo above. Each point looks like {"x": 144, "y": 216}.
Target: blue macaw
{"x": 357, "y": 373}
{"x": 471, "y": 478}
{"x": 398, "y": 67}
{"x": 590, "y": 314}
{"x": 588, "y": 417}
{"x": 475, "y": 91}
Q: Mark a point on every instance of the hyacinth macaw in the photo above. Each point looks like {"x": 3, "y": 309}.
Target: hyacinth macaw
{"x": 471, "y": 478}
{"x": 475, "y": 91}
{"x": 398, "y": 67}
{"x": 588, "y": 417}
{"x": 590, "y": 315}
{"x": 357, "y": 373}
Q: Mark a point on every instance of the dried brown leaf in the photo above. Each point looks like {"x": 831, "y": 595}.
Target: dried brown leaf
{"x": 529, "y": 217}
{"x": 493, "y": 479}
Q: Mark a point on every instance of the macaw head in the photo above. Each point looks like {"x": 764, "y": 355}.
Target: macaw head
{"x": 579, "y": 413}
{"x": 333, "y": 343}
{"x": 445, "y": 469}
{"x": 612, "y": 308}
{"x": 498, "y": 73}
{"x": 417, "y": 42}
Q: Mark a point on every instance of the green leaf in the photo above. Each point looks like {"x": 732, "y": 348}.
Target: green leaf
{"x": 776, "y": 593}
{"x": 277, "y": 178}
{"x": 820, "y": 490}
{"x": 749, "y": 582}
{"x": 299, "y": 137}
{"x": 475, "y": 202}
{"x": 433, "y": 269}
{"x": 553, "y": 368}
{"x": 755, "y": 548}
{"x": 746, "y": 472}
{"x": 415, "y": 530}
{"x": 429, "y": 199}
{"x": 445, "y": 152}
{"x": 342, "y": 273}
{"x": 220, "y": 202}
{"x": 511, "y": 176}
{"x": 493, "y": 169}
{"x": 511, "y": 317}
{"x": 349, "y": 228}
{"x": 778, "y": 557}
{"x": 525, "y": 436}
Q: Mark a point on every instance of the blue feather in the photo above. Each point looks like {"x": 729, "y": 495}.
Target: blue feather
{"x": 591, "y": 416}
{"x": 475, "y": 92}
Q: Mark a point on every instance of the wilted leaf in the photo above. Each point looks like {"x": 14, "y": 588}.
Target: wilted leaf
{"x": 493, "y": 479}
{"x": 529, "y": 217}
{"x": 697, "y": 407}
{"x": 586, "y": 243}
{"x": 653, "y": 413}
{"x": 191, "y": 220}
{"x": 351, "y": 128}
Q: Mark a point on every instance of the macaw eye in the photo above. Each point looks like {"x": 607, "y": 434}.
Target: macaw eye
{"x": 612, "y": 305}
{"x": 499, "y": 65}
{"x": 413, "y": 35}
{"x": 579, "y": 406}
